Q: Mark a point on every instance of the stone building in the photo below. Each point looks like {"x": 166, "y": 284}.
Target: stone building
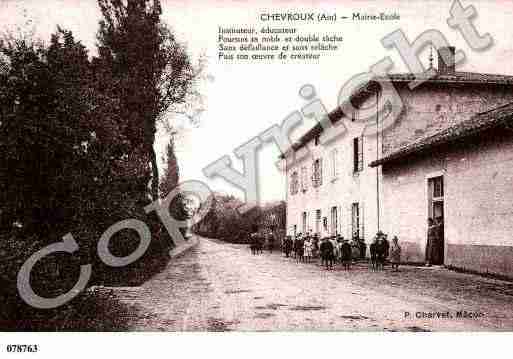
{"x": 448, "y": 154}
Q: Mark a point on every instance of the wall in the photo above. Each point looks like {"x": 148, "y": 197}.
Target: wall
{"x": 405, "y": 207}
{"x": 478, "y": 177}
{"x": 430, "y": 108}
{"x": 340, "y": 191}
{"x": 403, "y": 190}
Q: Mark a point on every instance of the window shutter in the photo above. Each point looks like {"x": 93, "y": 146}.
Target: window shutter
{"x": 320, "y": 171}
{"x": 313, "y": 174}
{"x": 301, "y": 179}
{"x": 356, "y": 146}
{"x": 339, "y": 221}
{"x": 354, "y": 216}
{"x": 349, "y": 221}
{"x": 306, "y": 178}
{"x": 430, "y": 198}
{"x": 362, "y": 221}
{"x": 294, "y": 183}
{"x": 360, "y": 153}
{"x": 333, "y": 163}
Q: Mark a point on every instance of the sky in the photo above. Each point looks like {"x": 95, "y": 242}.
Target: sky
{"x": 242, "y": 100}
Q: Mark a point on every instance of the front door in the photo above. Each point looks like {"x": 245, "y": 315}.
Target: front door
{"x": 355, "y": 220}
{"x": 334, "y": 221}
{"x": 318, "y": 222}
{"x": 436, "y": 220}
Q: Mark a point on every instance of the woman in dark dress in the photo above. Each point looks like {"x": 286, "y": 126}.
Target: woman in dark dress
{"x": 346, "y": 254}
{"x": 300, "y": 249}
{"x": 431, "y": 234}
{"x": 287, "y": 246}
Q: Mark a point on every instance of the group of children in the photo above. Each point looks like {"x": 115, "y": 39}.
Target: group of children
{"x": 331, "y": 250}
{"x": 336, "y": 249}
{"x": 380, "y": 249}
{"x": 258, "y": 241}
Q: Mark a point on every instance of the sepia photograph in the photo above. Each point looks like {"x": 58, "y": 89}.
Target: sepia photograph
{"x": 236, "y": 167}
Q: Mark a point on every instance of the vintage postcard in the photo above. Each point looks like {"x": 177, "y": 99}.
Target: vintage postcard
{"x": 276, "y": 166}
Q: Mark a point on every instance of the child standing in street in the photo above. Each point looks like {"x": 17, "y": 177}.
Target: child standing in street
{"x": 308, "y": 249}
{"x": 346, "y": 253}
{"x": 395, "y": 254}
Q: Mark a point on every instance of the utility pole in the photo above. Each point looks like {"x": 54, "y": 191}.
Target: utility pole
{"x": 377, "y": 158}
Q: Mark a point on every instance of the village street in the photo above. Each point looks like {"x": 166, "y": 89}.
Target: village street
{"x": 222, "y": 287}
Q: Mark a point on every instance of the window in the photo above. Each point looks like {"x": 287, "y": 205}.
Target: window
{"x": 334, "y": 166}
{"x": 355, "y": 116}
{"x": 318, "y": 221}
{"x": 317, "y": 173}
{"x": 304, "y": 179}
{"x": 303, "y": 220}
{"x": 316, "y": 140}
{"x": 355, "y": 219}
{"x": 358, "y": 154}
{"x": 334, "y": 221}
{"x": 438, "y": 188}
{"x": 325, "y": 224}
{"x": 294, "y": 183}
{"x": 436, "y": 197}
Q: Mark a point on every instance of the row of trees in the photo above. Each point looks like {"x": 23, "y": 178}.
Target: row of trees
{"x": 225, "y": 222}
{"x": 77, "y": 134}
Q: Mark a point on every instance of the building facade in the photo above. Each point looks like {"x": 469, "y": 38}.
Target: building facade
{"x": 333, "y": 190}
{"x": 463, "y": 174}
{"x": 448, "y": 155}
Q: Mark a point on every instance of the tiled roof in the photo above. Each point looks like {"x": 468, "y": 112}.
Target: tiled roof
{"x": 369, "y": 87}
{"x": 478, "y": 123}
{"x": 458, "y": 76}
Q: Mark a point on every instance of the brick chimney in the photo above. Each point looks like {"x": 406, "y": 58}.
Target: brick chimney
{"x": 446, "y": 63}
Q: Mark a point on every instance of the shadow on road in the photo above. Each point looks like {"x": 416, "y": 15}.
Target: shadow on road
{"x": 88, "y": 312}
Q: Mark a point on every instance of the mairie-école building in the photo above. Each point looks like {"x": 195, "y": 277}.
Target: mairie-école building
{"x": 448, "y": 155}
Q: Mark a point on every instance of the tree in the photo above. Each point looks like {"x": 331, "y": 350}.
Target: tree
{"x": 169, "y": 181}
{"x": 77, "y": 144}
{"x": 171, "y": 173}
{"x": 50, "y": 152}
{"x": 66, "y": 166}
{"x": 45, "y": 127}
{"x": 153, "y": 73}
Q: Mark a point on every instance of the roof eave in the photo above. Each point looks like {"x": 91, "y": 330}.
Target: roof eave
{"x": 442, "y": 141}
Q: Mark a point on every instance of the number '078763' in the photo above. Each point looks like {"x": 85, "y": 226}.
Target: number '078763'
{"x": 22, "y": 348}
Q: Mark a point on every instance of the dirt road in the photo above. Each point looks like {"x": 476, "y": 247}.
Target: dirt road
{"x": 222, "y": 287}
